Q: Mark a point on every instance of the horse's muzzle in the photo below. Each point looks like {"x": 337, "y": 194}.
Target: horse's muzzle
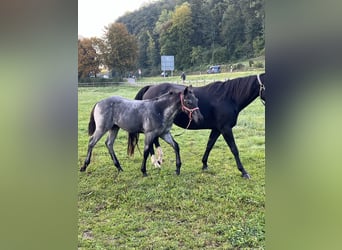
{"x": 197, "y": 115}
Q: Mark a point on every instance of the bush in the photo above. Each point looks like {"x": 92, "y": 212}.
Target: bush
{"x": 258, "y": 65}
{"x": 239, "y": 66}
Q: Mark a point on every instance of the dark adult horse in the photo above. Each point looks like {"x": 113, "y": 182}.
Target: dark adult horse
{"x": 220, "y": 103}
{"x": 152, "y": 117}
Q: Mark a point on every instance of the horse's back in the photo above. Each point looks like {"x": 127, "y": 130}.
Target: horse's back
{"x": 122, "y": 112}
{"x": 157, "y": 90}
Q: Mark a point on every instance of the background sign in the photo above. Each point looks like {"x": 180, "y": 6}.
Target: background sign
{"x": 167, "y": 63}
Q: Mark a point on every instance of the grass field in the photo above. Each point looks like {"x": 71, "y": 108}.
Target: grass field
{"x": 195, "y": 210}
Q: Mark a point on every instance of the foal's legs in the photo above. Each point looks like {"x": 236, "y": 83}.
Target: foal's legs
{"x": 92, "y": 142}
{"x": 229, "y": 138}
{"x": 148, "y": 148}
{"x": 214, "y": 134}
{"x": 168, "y": 138}
{"x": 110, "y": 142}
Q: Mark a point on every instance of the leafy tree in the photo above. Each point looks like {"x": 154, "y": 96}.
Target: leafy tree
{"x": 143, "y": 58}
{"x": 152, "y": 51}
{"x": 201, "y": 23}
{"x": 120, "y": 49}
{"x": 181, "y": 33}
{"x": 197, "y": 32}
{"x": 196, "y": 55}
{"x": 233, "y": 29}
{"x": 88, "y": 60}
{"x": 162, "y": 28}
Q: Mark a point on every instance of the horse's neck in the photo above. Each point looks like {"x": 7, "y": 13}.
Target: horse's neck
{"x": 170, "y": 106}
{"x": 247, "y": 94}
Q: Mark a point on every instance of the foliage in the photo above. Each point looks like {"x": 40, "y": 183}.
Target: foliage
{"x": 88, "y": 59}
{"x": 120, "y": 50}
{"x": 259, "y": 65}
{"x": 197, "y": 31}
{"x": 195, "y": 210}
{"x": 181, "y": 31}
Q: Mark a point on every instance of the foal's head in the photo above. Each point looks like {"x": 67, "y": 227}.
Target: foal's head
{"x": 190, "y": 104}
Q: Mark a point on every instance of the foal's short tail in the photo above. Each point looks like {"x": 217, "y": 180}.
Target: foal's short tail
{"x": 91, "y": 125}
{"x": 133, "y": 139}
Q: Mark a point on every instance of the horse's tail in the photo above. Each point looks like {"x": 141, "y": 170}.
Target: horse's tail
{"x": 91, "y": 125}
{"x": 141, "y": 92}
{"x": 133, "y": 139}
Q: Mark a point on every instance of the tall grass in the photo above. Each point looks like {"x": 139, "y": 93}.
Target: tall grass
{"x": 195, "y": 210}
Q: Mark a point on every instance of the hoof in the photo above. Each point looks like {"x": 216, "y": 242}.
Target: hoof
{"x": 82, "y": 169}
{"x": 155, "y": 162}
{"x": 120, "y": 169}
{"x": 177, "y": 172}
{"x": 145, "y": 174}
{"x": 205, "y": 168}
{"x": 246, "y": 176}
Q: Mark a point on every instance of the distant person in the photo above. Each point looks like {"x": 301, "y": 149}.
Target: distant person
{"x": 183, "y": 76}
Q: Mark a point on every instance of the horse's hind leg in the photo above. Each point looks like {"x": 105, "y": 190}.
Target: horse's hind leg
{"x": 92, "y": 142}
{"x": 109, "y": 143}
{"x": 214, "y": 134}
{"x": 154, "y": 160}
{"x": 229, "y": 138}
{"x": 159, "y": 153}
{"x": 168, "y": 138}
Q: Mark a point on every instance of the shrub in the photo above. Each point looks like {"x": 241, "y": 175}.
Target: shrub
{"x": 258, "y": 65}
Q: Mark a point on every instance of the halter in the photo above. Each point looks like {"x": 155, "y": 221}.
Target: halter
{"x": 262, "y": 88}
{"x": 185, "y": 108}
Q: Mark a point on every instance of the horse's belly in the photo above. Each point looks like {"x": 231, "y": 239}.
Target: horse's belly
{"x": 131, "y": 124}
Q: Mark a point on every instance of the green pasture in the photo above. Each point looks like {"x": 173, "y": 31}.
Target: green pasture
{"x": 194, "y": 78}
{"x": 195, "y": 210}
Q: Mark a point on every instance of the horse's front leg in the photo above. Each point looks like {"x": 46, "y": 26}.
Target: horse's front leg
{"x": 147, "y": 150}
{"x": 143, "y": 165}
{"x": 168, "y": 138}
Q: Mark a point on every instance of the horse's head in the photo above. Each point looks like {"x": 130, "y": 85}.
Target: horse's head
{"x": 262, "y": 87}
{"x": 190, "y": 104}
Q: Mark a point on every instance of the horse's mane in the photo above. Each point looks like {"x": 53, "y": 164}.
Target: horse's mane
{"x": 160, "y": 97}
{"x": 234, "y": 88}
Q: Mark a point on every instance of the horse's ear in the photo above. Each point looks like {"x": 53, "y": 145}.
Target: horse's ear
{"x": 185, "y": 92}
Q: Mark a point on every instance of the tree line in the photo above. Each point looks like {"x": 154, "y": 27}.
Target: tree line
{"x": 196, "y": 32}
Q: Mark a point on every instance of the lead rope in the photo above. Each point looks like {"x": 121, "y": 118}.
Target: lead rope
{"x": 185, "y": 108}
{"x": 262, "y": 88}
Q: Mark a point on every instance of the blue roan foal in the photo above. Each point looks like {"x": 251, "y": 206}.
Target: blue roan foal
{"x": 153, "y": 117}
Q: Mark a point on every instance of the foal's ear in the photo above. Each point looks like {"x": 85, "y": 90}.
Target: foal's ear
{"x": 186, "y": 90}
